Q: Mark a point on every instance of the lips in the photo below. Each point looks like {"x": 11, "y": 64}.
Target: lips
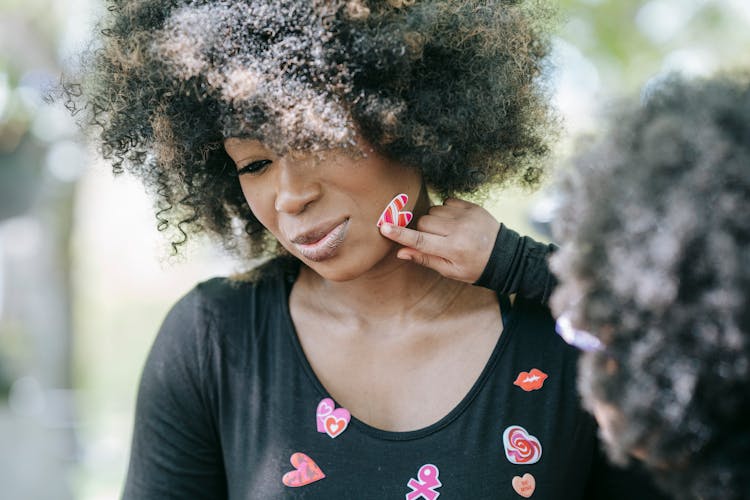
{"x": 323, "y": 242}
{"x": 531, "y": 381}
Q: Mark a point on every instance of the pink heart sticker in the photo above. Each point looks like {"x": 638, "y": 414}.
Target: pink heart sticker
{"x": 524, "y": 485}
{"x": 520, "y": 446}
{"x": 331, "y": 420}
{"x": 337, "y": 422}
{"x": 393, "y": 214}
{"x": 306, "y": 471}
{"x": 325, "y": 408}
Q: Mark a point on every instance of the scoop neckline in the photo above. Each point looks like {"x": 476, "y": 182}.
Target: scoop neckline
{"x": 444, "y": 421}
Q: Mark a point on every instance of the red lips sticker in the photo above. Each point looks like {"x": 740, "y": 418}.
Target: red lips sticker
{"x": 531, "y": 381}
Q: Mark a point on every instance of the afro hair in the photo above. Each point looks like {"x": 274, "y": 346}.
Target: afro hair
{"x": 453, "y": 88}
{"x": 655, "y": 261}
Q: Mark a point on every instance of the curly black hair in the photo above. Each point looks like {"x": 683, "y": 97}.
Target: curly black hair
{"x": 449, "y": 87}
{"x": 655, "y": 261}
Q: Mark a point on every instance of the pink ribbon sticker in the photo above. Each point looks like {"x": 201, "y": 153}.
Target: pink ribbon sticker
{"x": 393, "y": 213}
{"x": 426, "y": 485}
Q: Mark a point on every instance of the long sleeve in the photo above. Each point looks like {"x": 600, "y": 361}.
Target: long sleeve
{"x": 175, "y": 449}
{"x": 519, "y": 265}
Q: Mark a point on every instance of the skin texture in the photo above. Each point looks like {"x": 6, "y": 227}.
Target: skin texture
{"x": 299, "y": 192}
{"x": 420, "y": 340}
{"x": 454, "y": 239}
{"x": 655, "y": 261}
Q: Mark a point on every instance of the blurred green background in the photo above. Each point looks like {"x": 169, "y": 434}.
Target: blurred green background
{"x": 85, "y": 278}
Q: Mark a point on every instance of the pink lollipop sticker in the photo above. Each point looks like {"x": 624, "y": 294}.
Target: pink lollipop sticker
{"x": 393, "y": 213}
{"x": 520, "y": 446}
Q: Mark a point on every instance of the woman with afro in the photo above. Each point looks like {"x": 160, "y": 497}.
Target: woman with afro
{"x": 298, "y": 131}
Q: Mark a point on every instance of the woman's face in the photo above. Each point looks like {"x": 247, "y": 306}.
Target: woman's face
{"x": 323, "y": 207}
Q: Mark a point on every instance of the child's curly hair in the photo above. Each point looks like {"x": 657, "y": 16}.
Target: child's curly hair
{"x": 655, "y": 260}
{"x": 450, "y": 87}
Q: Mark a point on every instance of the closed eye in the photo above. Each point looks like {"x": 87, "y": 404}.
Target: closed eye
{"x": 255, "y": 167}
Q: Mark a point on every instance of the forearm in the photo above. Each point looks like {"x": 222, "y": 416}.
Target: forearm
{"x": 519, "y": 265}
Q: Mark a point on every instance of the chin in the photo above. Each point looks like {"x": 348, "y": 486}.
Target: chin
{"x": 347, "y": 268}
{"x": 334, "y": 272}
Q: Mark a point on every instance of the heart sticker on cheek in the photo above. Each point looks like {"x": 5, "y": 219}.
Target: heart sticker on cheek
{"x": 393, "y": 214}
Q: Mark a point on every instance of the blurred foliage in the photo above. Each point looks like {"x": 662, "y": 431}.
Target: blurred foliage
{"x": 15, "y": 353}
{"x": 628, "y": 40}
{"x": 28, "y": 35}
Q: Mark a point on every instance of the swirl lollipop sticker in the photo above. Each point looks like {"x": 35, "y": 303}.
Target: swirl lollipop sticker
{"x": 521, "y": 448}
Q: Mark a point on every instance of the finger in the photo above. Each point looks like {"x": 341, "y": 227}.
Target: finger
{"x": 440, "y": 226}
{"x": 458, "y": 203}
{"x": 424, "y": 242}
{"x": 448, "y": 212}
{"x": 439, "y": 264}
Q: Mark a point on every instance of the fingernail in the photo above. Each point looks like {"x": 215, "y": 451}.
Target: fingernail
{"x": 404, "y": 257}
{"x": 387, "y": 228}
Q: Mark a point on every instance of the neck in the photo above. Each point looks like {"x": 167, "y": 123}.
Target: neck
{"x": 392, "y": 291}
{"x": 395, "y": 290}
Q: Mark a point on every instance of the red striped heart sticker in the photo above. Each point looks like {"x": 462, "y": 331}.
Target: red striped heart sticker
{"x": 393, "y": 213}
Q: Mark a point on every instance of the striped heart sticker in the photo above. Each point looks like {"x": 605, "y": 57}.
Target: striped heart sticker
{"x": 393, "y": 213}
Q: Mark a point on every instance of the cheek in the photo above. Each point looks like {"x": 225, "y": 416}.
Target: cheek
{"x": 261, "y": 205}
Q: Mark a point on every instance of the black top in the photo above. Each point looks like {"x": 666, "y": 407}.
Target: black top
{"x": 228, "y": 408}
{"x": 519, "y": 265}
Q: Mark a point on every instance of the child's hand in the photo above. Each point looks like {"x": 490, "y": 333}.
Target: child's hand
{"x": 455, "y": 239}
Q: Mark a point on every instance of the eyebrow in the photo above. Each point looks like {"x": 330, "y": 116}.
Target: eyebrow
{"x": 240, "y": 142}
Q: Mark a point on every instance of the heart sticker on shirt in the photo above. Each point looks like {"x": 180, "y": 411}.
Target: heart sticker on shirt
{"x": 306, "y": 471}
{"x": 325, "y": 408}
{"x": 335, "y": 425}
{"x": 531, "y": 381}
{"x": 524, "y": 485}
{"x": 331, "y": 420}
{"x": 521, "y": 448}
{"x": 393, "y": 214}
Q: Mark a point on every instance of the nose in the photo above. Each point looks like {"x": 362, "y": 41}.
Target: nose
{"x": 297, "y": 187}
